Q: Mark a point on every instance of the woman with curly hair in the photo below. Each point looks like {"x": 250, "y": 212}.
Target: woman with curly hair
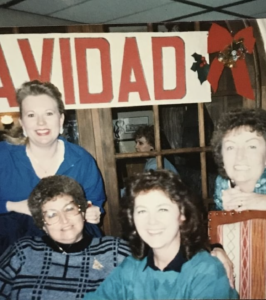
{"x": 239, "y": 147}
{"x": 170, "y": 251}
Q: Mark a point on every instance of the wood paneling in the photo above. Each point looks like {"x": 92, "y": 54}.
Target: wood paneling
{"x": 105, "y": 156}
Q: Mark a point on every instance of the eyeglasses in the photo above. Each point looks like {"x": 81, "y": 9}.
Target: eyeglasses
{"x": 51, "y": 217}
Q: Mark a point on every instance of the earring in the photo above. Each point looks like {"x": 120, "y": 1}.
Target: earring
{"x": 25, "y": 133}
{"x": 61, "y": 130}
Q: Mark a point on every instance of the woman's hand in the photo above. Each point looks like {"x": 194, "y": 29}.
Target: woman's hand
{"x": 19, "y": 207}
{"x": 227, "y": 263}
{"x": 93, "y": 214}
{"x": 235, "y": 199}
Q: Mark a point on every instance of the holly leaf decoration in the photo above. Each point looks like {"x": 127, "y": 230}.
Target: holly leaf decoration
{"x": 200, "y": 66}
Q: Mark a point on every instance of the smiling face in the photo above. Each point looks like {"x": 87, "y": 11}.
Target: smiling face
{"x": 142, "y": 145}
{"x": 157, "y": 220}
{"x": 41, "y": 119}
{"x": 68, "y": 229}
{"x": 244, "y": 155}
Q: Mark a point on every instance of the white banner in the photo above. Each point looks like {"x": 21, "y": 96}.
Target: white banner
{"x": 96, "y": 70}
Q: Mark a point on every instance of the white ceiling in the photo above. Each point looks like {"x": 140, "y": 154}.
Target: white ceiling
{"x": 139, "y": 11}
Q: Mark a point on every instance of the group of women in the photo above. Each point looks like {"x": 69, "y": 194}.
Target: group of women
{"x": 52, "y": 190}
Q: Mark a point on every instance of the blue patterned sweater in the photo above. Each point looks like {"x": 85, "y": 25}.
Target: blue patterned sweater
{"x": 202, "y": 277}
{"x": 31, "y": 270}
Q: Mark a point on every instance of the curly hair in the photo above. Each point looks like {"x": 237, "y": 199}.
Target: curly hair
{"x": 36, "y": 88}
{"x": 49, "y": 188}
{"x": 146, "y": 131}
{"x": 193, "y": 236}
{"x": 253, "y": 119}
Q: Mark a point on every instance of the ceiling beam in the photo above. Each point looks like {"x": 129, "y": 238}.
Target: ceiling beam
{"x": 11, "y": 3}
{"x": 207, "y": 9}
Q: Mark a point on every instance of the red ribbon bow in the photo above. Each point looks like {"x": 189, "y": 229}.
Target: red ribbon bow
{"x": 219, "y": 38}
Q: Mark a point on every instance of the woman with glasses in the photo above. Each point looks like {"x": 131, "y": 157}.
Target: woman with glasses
{"x": 67, "y": 262}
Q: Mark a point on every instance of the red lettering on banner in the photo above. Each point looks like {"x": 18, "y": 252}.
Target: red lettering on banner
{"x": 47, "y": 56}
{"x": 180, "y": 90}
{"x": 132, "y": 62}
{"x": 7, "y": 90}
{"x": 67, "y": 70}
{"x": 81, "y": 45}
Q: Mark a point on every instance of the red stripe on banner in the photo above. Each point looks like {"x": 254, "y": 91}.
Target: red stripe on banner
{"x": 132, "y": 63}
{"x": 67, "y": 71}
{"x": 47, "y": 57}
{"x": 103, "y": 46}
{"x": 7, "y": 90}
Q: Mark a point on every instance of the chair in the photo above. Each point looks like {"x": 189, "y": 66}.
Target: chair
{"x": 243, "y": 236}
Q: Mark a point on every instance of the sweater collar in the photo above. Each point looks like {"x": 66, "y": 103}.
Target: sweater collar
{"x": 68, "y": 248}
{"x": 175, "y": 265}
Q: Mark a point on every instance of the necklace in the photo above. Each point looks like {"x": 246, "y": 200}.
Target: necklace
{"x": 64, "y": 251}
{"x": 37, "y": 162}
{"x": 68, "y": 248}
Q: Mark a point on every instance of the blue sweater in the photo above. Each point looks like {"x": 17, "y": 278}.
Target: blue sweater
{"x": 32, "y": 270}
{"x": 202, "y": 277}
{"x": 17, "y": 177}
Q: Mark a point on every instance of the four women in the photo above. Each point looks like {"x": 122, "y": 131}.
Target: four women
{"x": 170, "y": 253}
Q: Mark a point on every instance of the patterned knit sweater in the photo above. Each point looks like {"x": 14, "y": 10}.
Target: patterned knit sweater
{"x": 32, "y": 270}
{"x": 202, "y": 277}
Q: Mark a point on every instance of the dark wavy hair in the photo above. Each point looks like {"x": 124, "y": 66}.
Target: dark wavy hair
{"x": 36, "y": 88}
{"x": 193, "y": 235}
{"x": 146, "y": 131}
{"x": 49, "y": 188}
{"x": 253, "y": 119}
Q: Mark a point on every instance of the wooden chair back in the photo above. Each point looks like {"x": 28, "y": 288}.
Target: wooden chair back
{"x": 243, "y": 236}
